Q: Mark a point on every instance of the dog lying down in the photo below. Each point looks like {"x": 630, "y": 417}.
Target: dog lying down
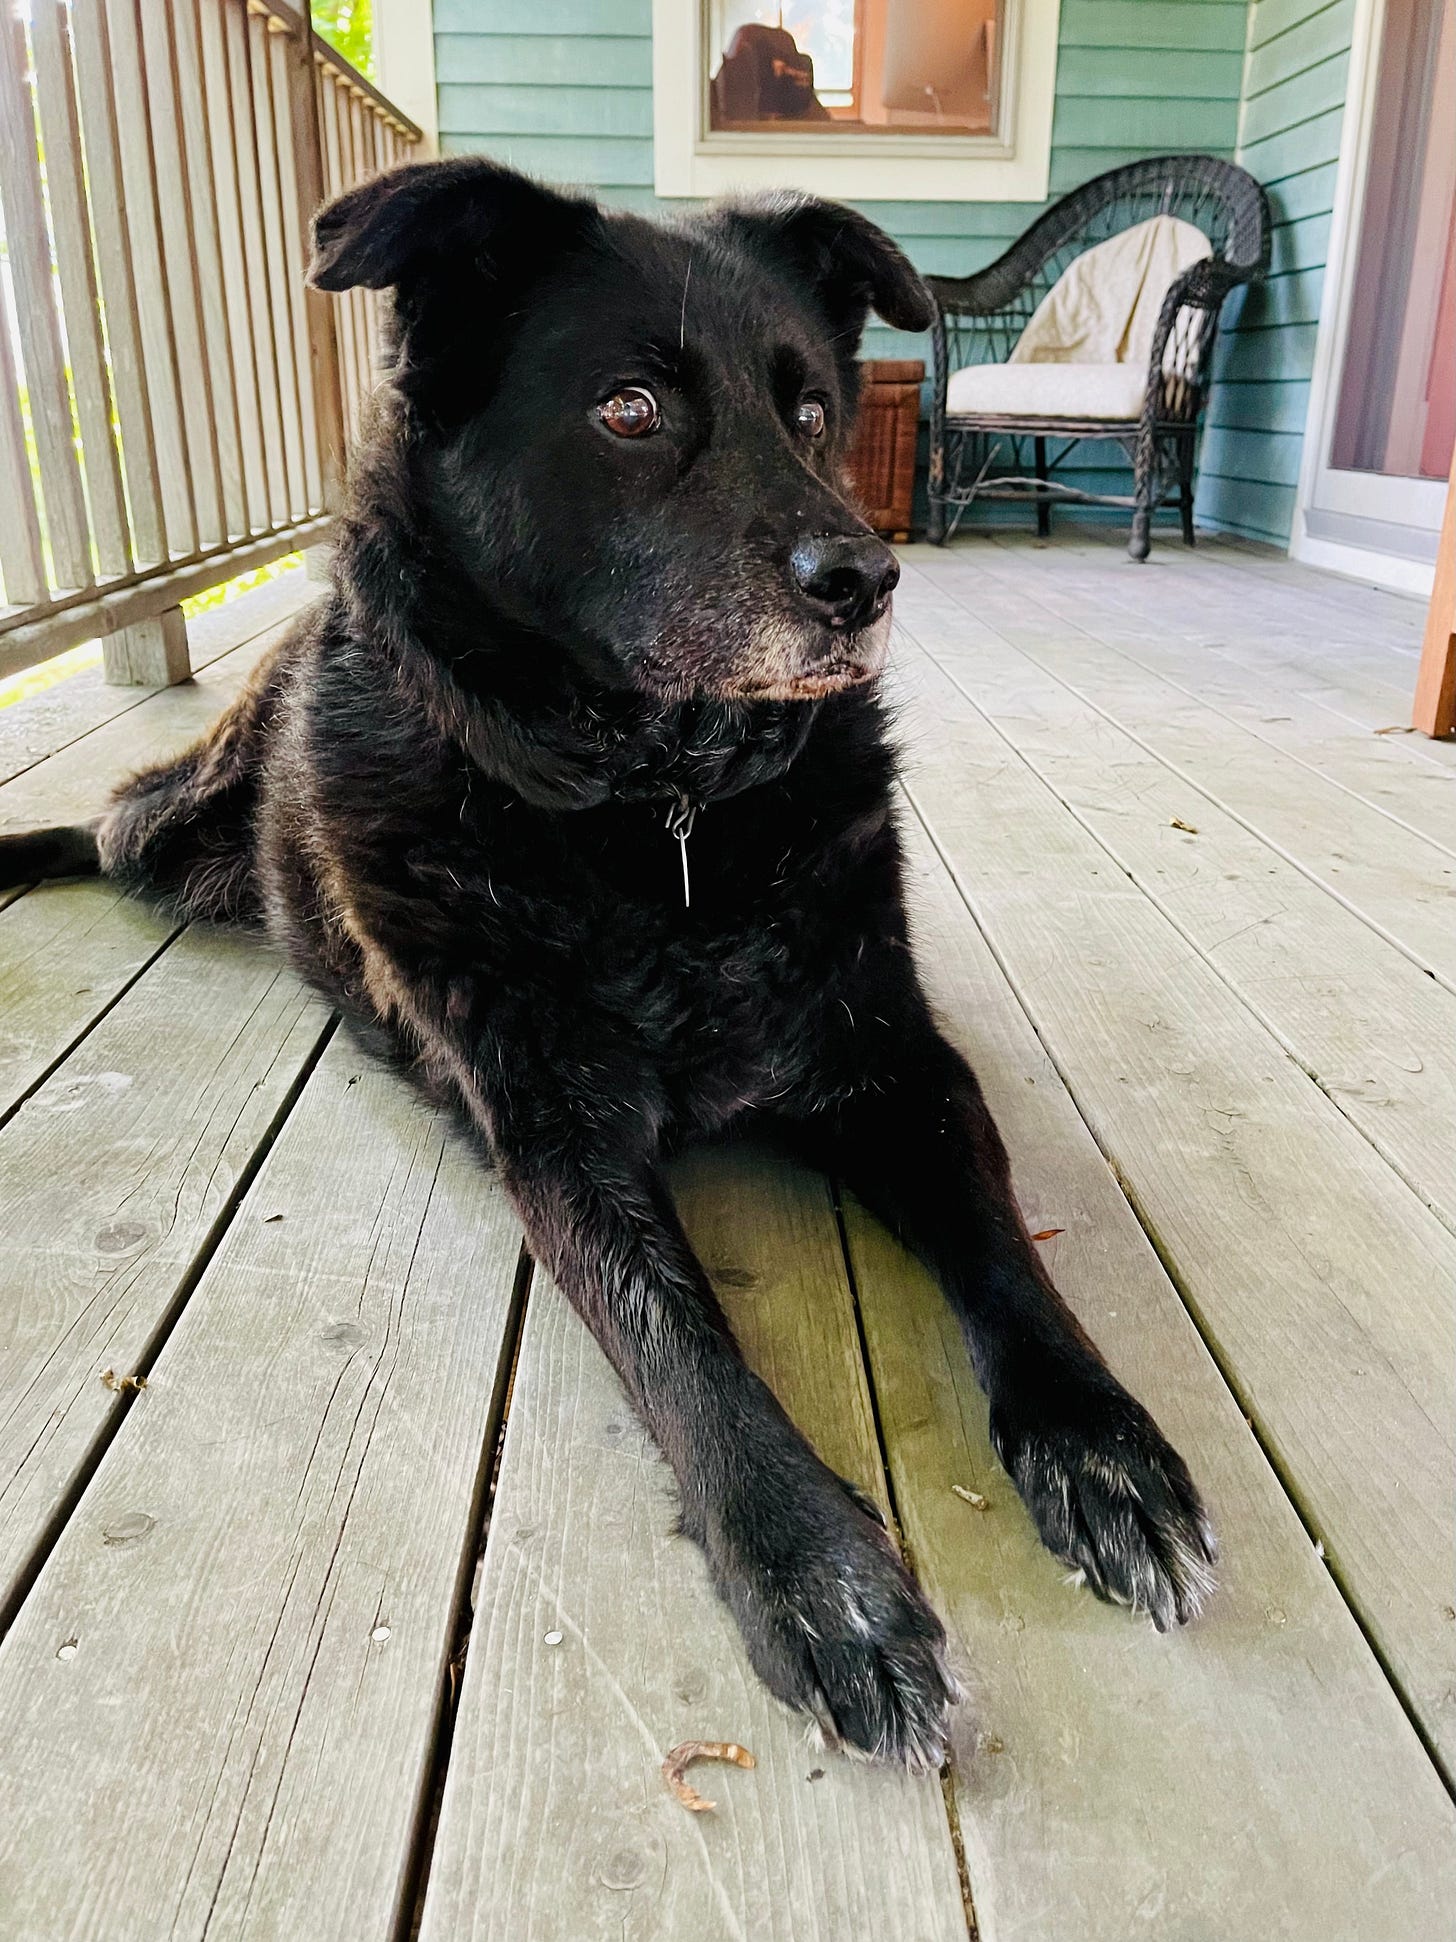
{"x": 575, "y": 793}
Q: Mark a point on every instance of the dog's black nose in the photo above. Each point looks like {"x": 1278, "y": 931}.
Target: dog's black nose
{"x": 845, "y": 577}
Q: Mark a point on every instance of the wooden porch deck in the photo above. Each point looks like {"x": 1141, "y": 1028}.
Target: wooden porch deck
{"x": 301, "y": 1646}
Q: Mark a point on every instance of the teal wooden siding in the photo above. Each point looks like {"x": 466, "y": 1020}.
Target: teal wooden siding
{"x": 564, "y": 88}
{"x": 1289, "y": 137}
{"x": 560, "y": 87}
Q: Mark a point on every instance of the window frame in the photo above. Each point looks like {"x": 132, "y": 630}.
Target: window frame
{"x": 1011, "y": 165}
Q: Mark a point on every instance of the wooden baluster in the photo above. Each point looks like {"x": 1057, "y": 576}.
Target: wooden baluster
{"x": 21, "y": 561}
{"x": 218, "y": 102}
{"x": 275, "y": 260}
{"x": 50, "y": 39}
{"x": 28, "y": 246}
{"x": 247, "y": 149}
{"x": 116, "y": 269}
{"x": 125, "y": 77}
{"x": 338, "y": 180}
{"x": 213, "y": 316}
{"x": 179, "y": 201}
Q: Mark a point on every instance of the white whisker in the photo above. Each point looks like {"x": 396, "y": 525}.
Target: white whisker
{"x": 682, "y": 328}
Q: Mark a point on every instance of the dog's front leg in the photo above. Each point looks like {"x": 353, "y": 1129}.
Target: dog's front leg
{"x": 910, "y": 1132}
{"x": 833, "y": 1622}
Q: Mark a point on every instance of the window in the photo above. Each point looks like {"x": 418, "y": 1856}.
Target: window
{"x": 876, "y": 67}
{"x": 892, "y": 99}
{"x": 1397, "y": 400}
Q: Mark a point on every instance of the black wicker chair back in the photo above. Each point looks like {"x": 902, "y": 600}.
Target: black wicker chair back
{"x": 980, "y": 318}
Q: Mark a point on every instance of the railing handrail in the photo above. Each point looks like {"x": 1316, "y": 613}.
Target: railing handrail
{"x": 330, "y": 57}
{"x": 327, "y": 55}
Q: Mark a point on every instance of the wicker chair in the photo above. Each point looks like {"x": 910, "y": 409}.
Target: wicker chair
{"x": 979, "y": 319}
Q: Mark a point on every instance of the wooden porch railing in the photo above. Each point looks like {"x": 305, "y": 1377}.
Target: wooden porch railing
{"x": 175, "y": 404}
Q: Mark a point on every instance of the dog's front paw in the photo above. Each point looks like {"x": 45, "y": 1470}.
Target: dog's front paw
{"x": 836, "y": 1626}
{"x": 1110, "y": 1496}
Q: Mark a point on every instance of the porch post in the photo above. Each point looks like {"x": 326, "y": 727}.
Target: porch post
{"x": 1435, "y": 704}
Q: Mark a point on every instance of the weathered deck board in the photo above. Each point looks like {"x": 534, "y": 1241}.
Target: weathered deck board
{"x": 37, "y": 727}
{"x": 118, "y": 1171}
{"x": 1359, "y": 656}
{"x": 1107, "y": 1779}
{"x": 1398, "y": 881}
{"x": 1256, "y": 586}
{"x": 104, "y": 940}
{"x": 1392, "y": 774}
{"x": 1245, "y": 1173}
{"x": 262, "y": 1579}
{"x": 71, "y": 785}
{"x": 1358, "y": 675}
{"x": 1374, "y": 1030}
{"x": 556, "y": 1823}
{"x": 1326, "y": 660}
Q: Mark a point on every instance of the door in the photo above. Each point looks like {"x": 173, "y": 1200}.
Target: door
{"x": 1387, "y": 413}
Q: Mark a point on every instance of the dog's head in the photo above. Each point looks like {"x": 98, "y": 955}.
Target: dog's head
{"x": 631, "y": 437}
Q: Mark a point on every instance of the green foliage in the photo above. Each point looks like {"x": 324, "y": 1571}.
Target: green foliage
{"x": 348, "y": 25}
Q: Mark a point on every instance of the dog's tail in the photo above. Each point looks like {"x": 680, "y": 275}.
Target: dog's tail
{"x": 67, "y": 851}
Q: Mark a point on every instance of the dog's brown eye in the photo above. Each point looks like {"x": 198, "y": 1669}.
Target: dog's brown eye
{"x": 630, "y": 413}
{"x": 809, "y": 417}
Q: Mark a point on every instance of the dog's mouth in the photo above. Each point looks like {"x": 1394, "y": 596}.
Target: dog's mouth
{"x": 826, "y": 662}
{"x": 779, "y": 660}
{"x": 828, "y": 678}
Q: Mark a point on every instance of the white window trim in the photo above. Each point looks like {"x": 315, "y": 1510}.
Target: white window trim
{"x": 1012, "y": 167}
{"x": 404, "y": 60}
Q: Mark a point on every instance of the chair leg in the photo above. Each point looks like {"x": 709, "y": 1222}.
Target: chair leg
{"x": 1144, "y": 472}
{"x": 1043, "y": 506}
{"x": 1139, "y": 543}
{"x": 1185, "y": 495}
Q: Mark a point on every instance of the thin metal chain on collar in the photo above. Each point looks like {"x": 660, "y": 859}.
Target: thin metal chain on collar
{"x": 680, "y": 819}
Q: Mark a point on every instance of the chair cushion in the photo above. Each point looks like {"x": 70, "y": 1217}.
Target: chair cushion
{"x": 1103, "y": 308}
{"x": 1110, "y": 391}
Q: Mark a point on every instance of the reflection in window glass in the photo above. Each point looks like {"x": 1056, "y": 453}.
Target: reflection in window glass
{"x": 1397, "y": 409}
{"x": 907, "y": 67}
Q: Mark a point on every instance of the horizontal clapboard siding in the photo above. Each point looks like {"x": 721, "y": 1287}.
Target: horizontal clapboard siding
{"x": 564, "y": 88}
{"x": 1289, "y": 136}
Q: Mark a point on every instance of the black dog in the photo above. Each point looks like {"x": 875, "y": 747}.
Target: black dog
{"x": 576, "y": 792}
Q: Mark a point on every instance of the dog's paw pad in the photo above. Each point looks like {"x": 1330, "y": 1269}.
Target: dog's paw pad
{"x": 1114, "y": 1501}
{"x": 844, "y": 1634}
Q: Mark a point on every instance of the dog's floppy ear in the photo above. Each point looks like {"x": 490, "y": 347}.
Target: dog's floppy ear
{"x": 849, "y": 263}
{"x": 441, "y": 216}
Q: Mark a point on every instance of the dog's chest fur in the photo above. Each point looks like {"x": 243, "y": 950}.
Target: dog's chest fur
{"x": 562, "y": 939}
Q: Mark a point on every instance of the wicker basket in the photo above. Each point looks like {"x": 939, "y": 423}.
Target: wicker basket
{"x": 882, "y": 463}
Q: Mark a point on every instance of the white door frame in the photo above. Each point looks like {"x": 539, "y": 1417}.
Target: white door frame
{"x": 1394, "y": 570}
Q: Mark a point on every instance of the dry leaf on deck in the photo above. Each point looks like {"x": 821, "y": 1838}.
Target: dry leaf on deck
{"x": 1178, "y": 823}
{"x": 682, "y": 1757}
{"x": 1049, "y": 1233}
{"x": 121, "y": 1384}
